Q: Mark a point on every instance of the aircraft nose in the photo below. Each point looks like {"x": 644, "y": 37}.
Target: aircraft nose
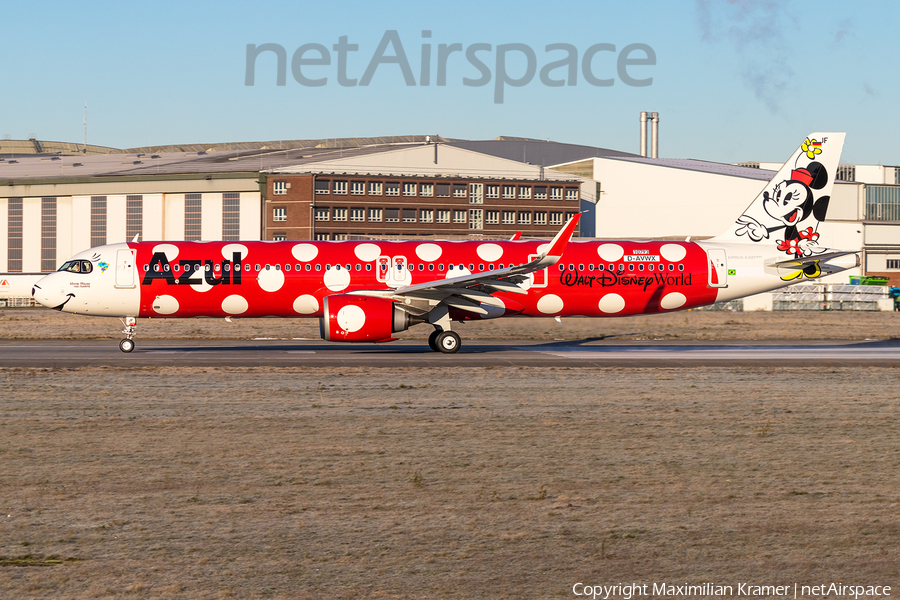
{"x": 49, "y": 295}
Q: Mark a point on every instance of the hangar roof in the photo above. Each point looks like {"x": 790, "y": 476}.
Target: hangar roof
{"x": 691, "y": 164}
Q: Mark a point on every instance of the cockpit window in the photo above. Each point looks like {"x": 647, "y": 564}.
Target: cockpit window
{"x": 77, "y": 266}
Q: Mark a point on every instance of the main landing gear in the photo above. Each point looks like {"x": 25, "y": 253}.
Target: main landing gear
{"x": 442, "y": 339}
{"x": 130, "y": 323}
{"x": 447, "y": 342}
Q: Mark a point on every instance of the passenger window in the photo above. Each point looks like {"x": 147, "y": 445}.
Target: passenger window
{"x": 681, "y": 267}
{"x": 631, "y": 267}
{"x": 431, "y": 267}
{"x": 358, "y": 267}
{"x": 641, "y": 267}
{"x": 368, "y": 267}
{"x": 287, "y": 267}
{"x": 318, "y": 267}
{"x": 257, "y": 267}
{"x": 491, "y": 267}
{"x": 146, "y": 268}
{"x": 481, "y": 267}
{"x": 441, "y": 267}
{"x": 671, "y": 267}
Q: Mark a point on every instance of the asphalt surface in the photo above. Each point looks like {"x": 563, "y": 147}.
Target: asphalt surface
{"x": 415, "y": 353}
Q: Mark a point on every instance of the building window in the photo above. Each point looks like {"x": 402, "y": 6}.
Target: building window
{"x": 540, "y": 192}
{"x": 569, "y": 215}
{"x": 443, "y": 190}
{"x": 339, "y": 214}
{"x": 571, "y": 193}
{"x": 392, "y": 215}
{"x": 409, "y": 215}
{"x": 192, "y": 217}
{"x": 279, "y": 237}
{"x": 882, "y": 203}
{"x": 524, "y": 218}
{"x": 893, "y": 263}
{"x": 476, "y": 220}
{"x": 340, "y": 187}
{"x": 98, "y": 221}
{"x": 340, "y": 236}
{"x": 846, "y": 172}
{"x": 279, "y": 188}
{"x": 375, "y": 215}
{"x": 443, "y": 216}
{"x": 426, "y": 189}
{"x": 48, "y": 234}
{"x": 323, "y": 186}
{"x": 459, "y": 190}
{"x": 358, "y": 215}
{"x": 476, "y": 193}
{"x": 492, "y": 191}
{"x": 409, "y": 189}
{"x": 279, "y": 214}
{"x": 231, "y": 216}
{"x": 556, "y": 218}
{"x": 321, "y": 214}
{"x": 14, "y": 236}
{"x": 509, "y": 191}
{"x": 556, "y": 193}
{"x": 459, "y": 216}
{"x": 525, "y": 192}
{"x": 321, "y": 237}
{"x": 375, "y": 188}
{"x": 134, "y": 217}
{"x": 426, "y": 215}
{"x": 357, "y": 188}
{"x": 492, "y": 217}
{"x": 540, "y": 218}
{"x": 509, "y": 217}
{"x": 392, "y": 188}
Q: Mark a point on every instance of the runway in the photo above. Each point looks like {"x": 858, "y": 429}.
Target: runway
{"x": 474, "y": 353}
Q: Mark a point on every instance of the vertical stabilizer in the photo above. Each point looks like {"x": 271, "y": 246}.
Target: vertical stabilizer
{"x": 786, "y": 215}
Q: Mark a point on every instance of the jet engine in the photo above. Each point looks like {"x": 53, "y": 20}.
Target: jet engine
{"x": 349, "y": 318}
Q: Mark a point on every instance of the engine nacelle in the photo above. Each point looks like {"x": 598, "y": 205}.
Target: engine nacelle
{"x": 349, "y": 318}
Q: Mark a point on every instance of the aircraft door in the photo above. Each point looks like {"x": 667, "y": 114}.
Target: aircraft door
{"x": 392, "y": 270}
{"x": 718, "y": 268}
{"x": 125, "y": 269}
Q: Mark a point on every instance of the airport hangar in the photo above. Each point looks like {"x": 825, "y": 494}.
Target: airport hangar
{"x": 62, "y": 198}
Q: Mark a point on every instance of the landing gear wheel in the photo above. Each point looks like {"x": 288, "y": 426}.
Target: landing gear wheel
{"x": 432, "y": 340}
{"x": 126, "y": 345}
{"x": 448, "y": 342}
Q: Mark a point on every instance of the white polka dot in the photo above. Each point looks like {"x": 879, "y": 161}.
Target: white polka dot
{"x": 170, "y": 250}
{"x": 165, "y": 305}
{"x": 337, "y": 279}
{"x": 270, "y": 280}
{"x": 428, "y": 252}
{"x": 549, "y": 304}
{"x": 490, "y": 252}
{"x": 672, "y": 300}
{"x": 235, "y": 305}
{"x": 306, "y": 304}
{"x": 229, "y": 250}
{"x": 367, "y": 252}
{"x": 456, "y": 272}
{"x": 610, "y": 252}
{"x": 200, "y": 277}
{"x": 304, "y": 252}
{"x": 611, "y": 303}
{"x": 351, "y": 318}
{"x": 673, "y": 252}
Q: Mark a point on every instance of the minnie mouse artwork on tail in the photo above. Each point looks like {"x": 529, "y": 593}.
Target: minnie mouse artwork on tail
{"x": 792, "y": 205}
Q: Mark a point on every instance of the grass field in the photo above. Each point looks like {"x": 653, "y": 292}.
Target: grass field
{"x": 458, "y": 483}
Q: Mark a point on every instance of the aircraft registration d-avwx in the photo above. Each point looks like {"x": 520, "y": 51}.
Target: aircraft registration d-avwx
{"x": 370, "y": 291}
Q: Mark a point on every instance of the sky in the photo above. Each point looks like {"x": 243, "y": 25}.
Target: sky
{"x": 732, "y": 80}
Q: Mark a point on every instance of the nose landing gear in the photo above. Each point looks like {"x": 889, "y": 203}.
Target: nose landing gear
{"x": 127, "y": 345}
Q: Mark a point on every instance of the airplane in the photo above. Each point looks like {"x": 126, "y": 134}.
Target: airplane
{"x": 368, "y": 291}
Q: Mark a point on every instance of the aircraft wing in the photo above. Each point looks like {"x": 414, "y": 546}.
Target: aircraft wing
{"x": 467, "y": 292}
